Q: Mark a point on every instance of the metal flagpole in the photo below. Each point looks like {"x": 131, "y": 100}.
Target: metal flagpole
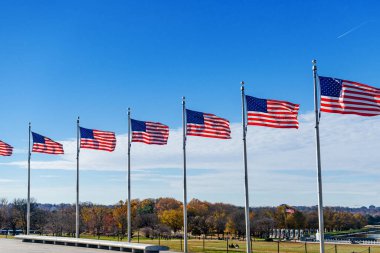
{"x": 129, "y": 175}
{"x": 247, "y": 222}
{"x": 28, "y": 204}
{"x": 184, "y": 177}
{"x": 320, "y": 201}
{"x": 77, "y": 202}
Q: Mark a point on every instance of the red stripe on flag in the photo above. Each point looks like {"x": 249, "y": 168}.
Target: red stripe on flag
{"x": 355, "y": 98}
{"x": 156, "y": 133}
{"x": 213, "y": 127}
{"x": 5, "y": 149}
{"x": 103, "y": 140}
{"x": 49, "y": 147}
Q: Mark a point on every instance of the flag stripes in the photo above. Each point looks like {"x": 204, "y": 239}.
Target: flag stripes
{"x": 271, "y": 113}
{"x": 96, "y": 139}
{"x": 5, "y": 149}
{"x": 42, "y": 144}
{"x": 207, "y": 125}
{"x": 289, "y": 210}
{"x": 336, "y": 96}
{"x": 149, "y": 132}
{"x": 347, "y": 97}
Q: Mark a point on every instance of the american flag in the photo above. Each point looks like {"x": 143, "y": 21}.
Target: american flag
{"x": 271, "y": 113}
{"x": 346, "y": 97}
{"x": 149, "y": 132}
{"x": 207, "y": 125}
{"x": 96, "y": 139}
{"x": 5, "y": 149}
{"x": 289, "y": 210}
{"x": 42, "y": 144}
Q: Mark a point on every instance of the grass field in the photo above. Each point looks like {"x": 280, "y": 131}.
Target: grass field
{"x": 219, "y": 246}
{"x": 9, "y": 236}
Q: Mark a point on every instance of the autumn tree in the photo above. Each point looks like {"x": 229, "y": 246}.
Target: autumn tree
{"x": 172, "y": 218}
{"x": 164, "y": 204}
{"x": 120, "y": 215}
{"x": 198, "y": 212}
{"x": 236, "y": 223}
{"x": 218, "y": 221}
{"x": 312, "y": 220}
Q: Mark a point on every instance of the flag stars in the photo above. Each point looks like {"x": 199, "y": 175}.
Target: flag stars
{"x": 331, "y": 87}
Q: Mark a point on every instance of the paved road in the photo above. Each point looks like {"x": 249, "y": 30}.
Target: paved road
{"x": 17, "y": 246}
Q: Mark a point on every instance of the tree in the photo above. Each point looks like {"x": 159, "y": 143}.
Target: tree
{"x": 19, "y": 213}
{"x": 39, "y": 219}
{"x": 198, "y": 208}
{"x": 146, "y": 216}
{"x": 146, "y": 206}
{"x": 236, "y": 223}
{"x": 120, "y": 216}
{"x": 3, "y": 213}
{"x": 198, "y": 225}
{"x": 262, "y": 226}
{"x": 172, "y": 218}
{"x": 94, "y": 218}
{"x": 312, "y": 220}
{"x": 295, "y": 220}
{"x": 218, "y": 222}
{"x": 198, "y": 212}
{"x": 164, "y": 204}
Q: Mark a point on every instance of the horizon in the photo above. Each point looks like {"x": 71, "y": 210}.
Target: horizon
{"x": 212, "y": 203}
{"x": 94, "y": 60}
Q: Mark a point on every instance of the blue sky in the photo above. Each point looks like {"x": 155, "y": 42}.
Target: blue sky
{"x": 94, "y": 59}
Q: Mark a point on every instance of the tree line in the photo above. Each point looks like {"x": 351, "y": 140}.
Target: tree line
{"x": 164, "y": 217}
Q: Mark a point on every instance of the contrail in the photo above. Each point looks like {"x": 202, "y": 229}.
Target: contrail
{"x": 352, "y": 29}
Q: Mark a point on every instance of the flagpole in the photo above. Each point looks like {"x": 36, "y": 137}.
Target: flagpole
{"x": 77, "y": 189}
{"x": 129, "y": 175}
{"x": 247, "y": 221}
{"x": 318, "y": 156}
{"x": 28, "y": 203}
{"x": 184, "y": 177}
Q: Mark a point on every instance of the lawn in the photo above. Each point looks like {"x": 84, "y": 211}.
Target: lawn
{"x": 219, "y": 246}
{"x": 4, "y": 236}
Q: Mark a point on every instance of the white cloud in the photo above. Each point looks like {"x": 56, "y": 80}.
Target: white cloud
{"x": 281, "y": 162}
{"x": 6, "y": 180}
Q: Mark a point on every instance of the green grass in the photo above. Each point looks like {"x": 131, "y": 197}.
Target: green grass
{"x": 219, "y": 246}
{"x": 258, "y": 246}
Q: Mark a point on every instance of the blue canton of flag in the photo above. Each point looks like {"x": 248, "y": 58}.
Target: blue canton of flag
{"x": 207, "y": 125}
{"x": 347, "y": 97}
{"x": 96, "y": 139}
{"x": 271, "y": 113}
{"x": 42, "y": 144}
{"x": 256, "y": 104}
{"x": 149, "y": 132}
{"x": 331, "y": 87}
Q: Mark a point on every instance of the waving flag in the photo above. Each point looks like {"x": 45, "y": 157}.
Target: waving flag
{"x": 346, "y": 97}
{"x": 5, "y": 149}
{"x": 149, "y": 132}
{"x": 271, "y": 113}
{"x": 289, "y": 210}
{"x": 207, "y": 125}
{"x": 96, "y": 139}
{"x": 42, "y": 144}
